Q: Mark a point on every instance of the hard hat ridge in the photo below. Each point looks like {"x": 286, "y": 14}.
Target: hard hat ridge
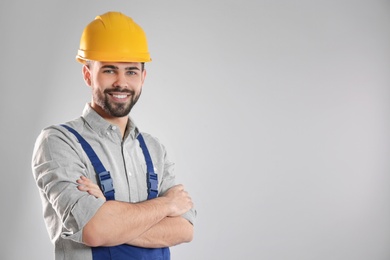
{"x": 115, "y": 37}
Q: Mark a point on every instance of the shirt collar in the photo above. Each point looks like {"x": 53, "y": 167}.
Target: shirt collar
{"x": 101, "y": 126}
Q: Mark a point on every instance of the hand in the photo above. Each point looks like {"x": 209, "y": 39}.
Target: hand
{"x": 179, "y": 199}
{"x": 90, "y": 187}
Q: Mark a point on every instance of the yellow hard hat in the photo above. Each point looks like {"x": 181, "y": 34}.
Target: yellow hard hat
{"x": 114, "y": 37}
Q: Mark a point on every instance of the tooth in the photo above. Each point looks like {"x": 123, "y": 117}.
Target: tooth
{"x": 120, "y": 96}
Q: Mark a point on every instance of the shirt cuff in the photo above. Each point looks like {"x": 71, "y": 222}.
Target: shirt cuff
{"x": 190, "y": 216}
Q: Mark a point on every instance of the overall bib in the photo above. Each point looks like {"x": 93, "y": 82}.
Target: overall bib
{"x": 123, "y": 252}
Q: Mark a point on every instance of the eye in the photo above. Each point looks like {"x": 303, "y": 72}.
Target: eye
{"x": 108, "y": 71}
{"x": 131, "y": 72}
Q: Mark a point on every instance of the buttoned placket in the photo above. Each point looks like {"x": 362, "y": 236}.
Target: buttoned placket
{"x": 130, "y": 168}
{"x": 129, "y": 163}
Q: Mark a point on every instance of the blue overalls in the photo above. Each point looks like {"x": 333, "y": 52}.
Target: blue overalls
{"x": 122, "y": 252}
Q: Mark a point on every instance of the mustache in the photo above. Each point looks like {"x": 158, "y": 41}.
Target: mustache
{"x": 119, "y": 90}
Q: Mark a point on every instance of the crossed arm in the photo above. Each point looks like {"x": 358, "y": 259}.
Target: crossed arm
{"x": 153, "y": 223}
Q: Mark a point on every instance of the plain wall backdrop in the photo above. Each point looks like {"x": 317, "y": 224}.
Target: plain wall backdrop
{"x": 275, "y": 112}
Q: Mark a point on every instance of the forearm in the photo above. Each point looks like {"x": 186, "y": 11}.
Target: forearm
{"x": 118, "y": 222}
{"x": 170, "y": 231}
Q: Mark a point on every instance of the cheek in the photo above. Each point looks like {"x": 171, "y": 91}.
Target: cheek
{"x": 96, "y": 89}
{"x": 99, "y": 80}
{"x": 137, "y": 85}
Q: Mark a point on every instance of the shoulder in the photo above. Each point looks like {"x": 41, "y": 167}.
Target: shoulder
{"x": 59, "y": 133}
{"x": 151, "y": 140}
{"x": 155, "y": 147}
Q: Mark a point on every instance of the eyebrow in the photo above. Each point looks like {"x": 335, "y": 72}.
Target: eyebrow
{"x": 116, "y": 68}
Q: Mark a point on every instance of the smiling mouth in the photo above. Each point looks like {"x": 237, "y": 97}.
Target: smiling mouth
{"x": 119, "y": 96}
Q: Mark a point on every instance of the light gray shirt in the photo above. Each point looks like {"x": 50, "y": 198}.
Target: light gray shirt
{"x": 59, "y": 160}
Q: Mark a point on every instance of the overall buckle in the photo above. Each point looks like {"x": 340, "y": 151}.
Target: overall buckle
{"x": 106, "y": 183}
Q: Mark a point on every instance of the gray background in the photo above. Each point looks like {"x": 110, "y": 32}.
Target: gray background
{"x": 275, "y": 112}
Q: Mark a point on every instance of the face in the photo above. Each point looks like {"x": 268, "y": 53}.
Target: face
{"x": 116, "y": 86}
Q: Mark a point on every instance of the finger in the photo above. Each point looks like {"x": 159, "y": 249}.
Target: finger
{"x": 96, "y": 194}
{"x": 86, "y": 180}
{"x": 83, "y": 179}
{"x": 95, "y": 190}
{"x": 82, "y": 188}
{"x": 180, "y": 186}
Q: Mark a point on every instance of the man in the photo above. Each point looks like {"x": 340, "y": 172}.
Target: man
{"x": 138, "y": 212}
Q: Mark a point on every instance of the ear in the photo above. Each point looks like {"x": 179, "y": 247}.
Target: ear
{"x": 87, "y": 75}
{"x": 143, "y": 76}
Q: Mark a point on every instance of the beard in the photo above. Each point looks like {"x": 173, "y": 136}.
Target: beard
{"x": 116, "y": 109}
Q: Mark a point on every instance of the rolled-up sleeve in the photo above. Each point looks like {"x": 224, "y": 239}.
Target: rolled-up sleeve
{"x": 169, "y": 181}
{"x": 166, "y": 166}
{"x": 57, "y": 163}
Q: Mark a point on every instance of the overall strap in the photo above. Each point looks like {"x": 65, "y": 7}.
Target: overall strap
{"x": 124, "y": 251}
{"x": 151, "y": 176}
{"x": 105, "y": 180}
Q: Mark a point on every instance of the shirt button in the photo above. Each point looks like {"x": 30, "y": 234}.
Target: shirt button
{"x": 113, "y": 127}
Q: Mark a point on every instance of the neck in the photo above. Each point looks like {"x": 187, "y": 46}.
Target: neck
{"x": 120, "y": 122}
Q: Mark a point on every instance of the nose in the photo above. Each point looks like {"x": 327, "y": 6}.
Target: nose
{"x": 120, "y": 81}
